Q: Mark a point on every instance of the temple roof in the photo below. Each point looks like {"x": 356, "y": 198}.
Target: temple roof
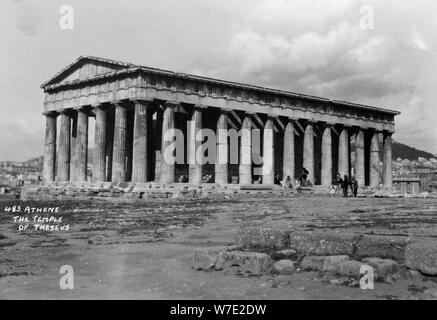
{"x": 86, "y": 68}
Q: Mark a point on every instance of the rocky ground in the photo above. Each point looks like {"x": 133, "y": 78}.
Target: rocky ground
{"x": 145, "y": 250}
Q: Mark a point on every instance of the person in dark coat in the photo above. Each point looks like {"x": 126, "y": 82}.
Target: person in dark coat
{"x": 354, "y": 186}
{"x": 277, "y": 180}
{"x": 338, "y": 183}
{"x": 345, "y": 186}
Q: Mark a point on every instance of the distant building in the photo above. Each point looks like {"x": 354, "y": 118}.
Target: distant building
{"x": 15, "y": 174}
{"x": 407, "y": 185}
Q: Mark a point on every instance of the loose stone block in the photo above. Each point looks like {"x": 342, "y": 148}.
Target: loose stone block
{"x": 313, "y": 263}
{"x": 286, "y": 267}
{"x": 323, "y": 243}
{"x": 422, "y": 255}
{"x": 331, "y": 263}
{"x": 322, "y": 263}
{"x": 384, "y": 247}
{"x": 287, "y": 254}
{"x": 350, "y": 268}
{"x": 248, "y": 262}
{"x": 208, "y": 260}
{"x": 382, "y": 267}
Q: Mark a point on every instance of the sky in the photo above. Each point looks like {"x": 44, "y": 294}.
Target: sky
{"x": 380, "y": 52}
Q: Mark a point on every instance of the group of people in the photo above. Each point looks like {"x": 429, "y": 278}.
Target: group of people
{"x": 207, "y": 178}
{"x": 298, "y": 183}
{"x": 345, "y": 184}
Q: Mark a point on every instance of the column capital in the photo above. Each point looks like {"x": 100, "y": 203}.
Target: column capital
{"x": 374, "y": 130}
{"x": 223, "y": 110}
{"x": 120, "y": 103}
{"x": 99, "y": 106}
{"x": 198, "y": 107}
{"x": 269, "y": 123}
{"x": 142, "y": 100}
{"x": 82, "y": 108}
{"x": 312, "y": 122}
{"x": 66, "y": 112}
{"x": 51, "y": 114}
{"x": 171, "y": 104}
{"x": 96, "y": 105}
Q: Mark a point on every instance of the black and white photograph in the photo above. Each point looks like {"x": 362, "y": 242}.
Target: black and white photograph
{"x": 218, "y": 155}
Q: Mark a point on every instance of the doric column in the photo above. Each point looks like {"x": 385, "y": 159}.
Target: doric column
{"x": 375, "y": 162}
{"x": 140, "y": 163}
{"x": 359, "y": 158}
{"x": 308, "y": 151}
{"x": 119, "y": 150}
{"x": 129, "y": 142}
{"x": 195, "y": 171}
{"x": 388, "y": 161}
{"x": 81, "y": 148}
{"x": 151, "y": 141}
{"x": 168, "y": 126}
{"x": 268, "y": 169}
{"x": 64, "y": 147}
{"x": 245, "y": 168}
{"x": 221, "y": 166}
{"x": 50, "y": 148}
{"x": 158, "y": 140}
{"x": 288, "y": 162}
{"x": 327, "y": 157}
{"x": 100, "y": 135}
{"x": 109, "y": 142}
{"x": 343, "y": 152}
{"x": 73, "y": 143}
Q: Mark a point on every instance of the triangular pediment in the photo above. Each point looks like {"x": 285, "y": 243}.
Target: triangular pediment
{"x": 86, "y": 68}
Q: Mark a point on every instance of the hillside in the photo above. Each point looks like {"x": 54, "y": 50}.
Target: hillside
{"x": 35, "y": 162}
{"x": 403, "y": 151}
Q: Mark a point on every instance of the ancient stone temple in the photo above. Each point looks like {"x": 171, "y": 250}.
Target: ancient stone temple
{"x": 135, "y": 108}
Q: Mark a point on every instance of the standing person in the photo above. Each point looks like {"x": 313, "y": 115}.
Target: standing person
{"x": 287, "y": 183}
{"x": 277, "y": 180}
{"x": 338, "y": 183}
{"x": 354, "y": 186}
{"x": 298, "y": 183}
{"x": 345, "y": 186}
{"x": 332, "y": 190}
{"x": 305, "y": 174}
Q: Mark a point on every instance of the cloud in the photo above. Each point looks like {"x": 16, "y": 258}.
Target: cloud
{"x": 418, "y": 42}
{"x": 415, "y": 127}
{"x": 28, "y": 18}
{"x": 317, "y": 47}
